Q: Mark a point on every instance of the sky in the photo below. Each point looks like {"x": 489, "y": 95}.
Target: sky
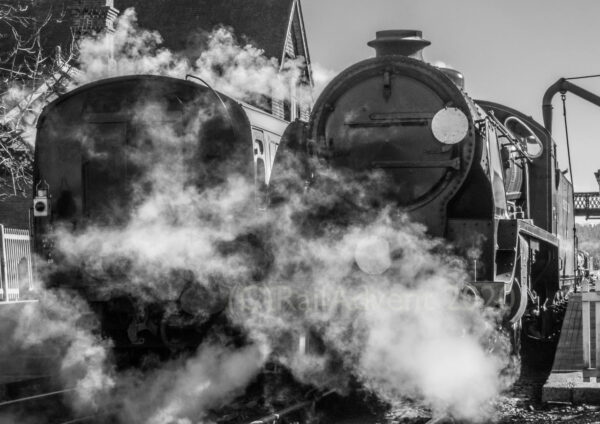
{"x": 510, "y": 52}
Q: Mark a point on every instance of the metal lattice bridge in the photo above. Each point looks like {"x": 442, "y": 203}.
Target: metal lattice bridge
{"x": 588, "y": 205}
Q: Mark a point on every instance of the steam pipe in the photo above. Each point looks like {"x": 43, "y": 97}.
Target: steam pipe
{"x": 562, "y": 86}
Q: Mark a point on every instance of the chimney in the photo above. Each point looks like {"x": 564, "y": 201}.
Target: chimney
{"x": 404, "y": 42}
{"x": 91, "y": 17}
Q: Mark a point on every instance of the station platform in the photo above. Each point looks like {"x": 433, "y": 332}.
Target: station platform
{"x": 566, "y": 382}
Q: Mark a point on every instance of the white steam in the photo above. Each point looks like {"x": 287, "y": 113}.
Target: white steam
{"x": 61, "y": 326}
{"x": 321, "y": 77}
{"x": 405, "y": 333}
{"x": 242, "y": 72}
{"x": 129, "y": 50}
{"x": 289, "y": 274}
{"x": 183, "y": 391}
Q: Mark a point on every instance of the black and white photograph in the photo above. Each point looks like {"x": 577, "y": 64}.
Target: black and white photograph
{"x": 299, "y": 211}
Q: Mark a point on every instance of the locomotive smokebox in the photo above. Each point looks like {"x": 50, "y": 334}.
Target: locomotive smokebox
{"x": 403, "y": 42}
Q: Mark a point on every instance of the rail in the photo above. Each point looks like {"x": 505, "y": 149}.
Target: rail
{"x": 590, "y": 305}
{"x": 16, "y": 271}
{"x": 306, "y": 405}
{"x": 587, "y": 204}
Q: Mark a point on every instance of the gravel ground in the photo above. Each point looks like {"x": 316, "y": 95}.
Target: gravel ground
{"x": 522, "y": 404}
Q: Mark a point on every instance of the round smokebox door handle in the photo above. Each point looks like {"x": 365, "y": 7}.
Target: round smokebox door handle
{"x": 450, "y": 125}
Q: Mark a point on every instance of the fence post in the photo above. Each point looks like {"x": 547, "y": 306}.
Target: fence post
{"x": 589, "y": 300}
{"x": 585, "y": 316}
{"x": 3, "y": 274}
{"x": 597, "y": 367}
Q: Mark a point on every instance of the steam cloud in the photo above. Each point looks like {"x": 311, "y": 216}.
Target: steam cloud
{"x": 366, "y": 290}
{"x": 183, "y": 391}
{"x": 242, "y": 72}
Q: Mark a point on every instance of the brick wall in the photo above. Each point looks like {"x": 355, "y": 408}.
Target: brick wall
{"x": 89, "y": 17}
{"x": 94, "y": 3}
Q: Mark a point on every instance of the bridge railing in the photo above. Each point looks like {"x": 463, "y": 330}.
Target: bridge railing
{"x": 590, "y": 306}
{"x": 16, "y": 272}
{"x": 587, "y": 204}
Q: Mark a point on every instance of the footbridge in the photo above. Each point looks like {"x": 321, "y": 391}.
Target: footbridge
{"x": 587, "y": 205}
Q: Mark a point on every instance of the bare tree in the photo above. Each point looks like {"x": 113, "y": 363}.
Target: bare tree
{"x": 30, "y": 76}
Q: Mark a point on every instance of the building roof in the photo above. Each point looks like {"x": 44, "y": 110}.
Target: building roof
{"x": 183, "y": 24}
{"x": 263, "y": 23}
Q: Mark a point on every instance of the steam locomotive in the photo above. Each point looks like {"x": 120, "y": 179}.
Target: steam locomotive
{"x": 95, "y": 148}
{"x": 479, "y": 174}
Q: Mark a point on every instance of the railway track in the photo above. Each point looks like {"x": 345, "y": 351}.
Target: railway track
{"x": 40, "y": 398}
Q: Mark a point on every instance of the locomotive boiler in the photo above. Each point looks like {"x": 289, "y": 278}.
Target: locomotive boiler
{"x": 96, "y": 147}
{"x": 479, "y": 174}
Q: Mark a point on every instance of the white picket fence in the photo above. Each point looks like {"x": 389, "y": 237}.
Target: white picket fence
{"x": 16, "y": 272}
{"x": 590, "y": 301}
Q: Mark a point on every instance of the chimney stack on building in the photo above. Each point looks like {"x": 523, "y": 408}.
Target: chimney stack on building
{"x": 91, "y": 17}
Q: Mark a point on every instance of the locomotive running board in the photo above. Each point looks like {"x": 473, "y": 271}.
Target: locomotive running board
{"x": 509, "y": 229}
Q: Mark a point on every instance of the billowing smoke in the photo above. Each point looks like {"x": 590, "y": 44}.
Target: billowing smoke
{"x": 330, "y": 281}
{"x": 62, "y": 329}
{"x": 183, "y": 391}
{"x": 242, "y": 72}
{"x": 441, "y": 64}
{"x": 382, "y": 297}
{"x": 321, "y": 77}
{"x": 129, "y": 50}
